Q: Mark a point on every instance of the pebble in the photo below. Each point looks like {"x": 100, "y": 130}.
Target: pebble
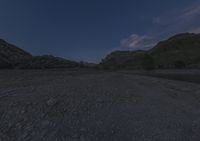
{"x": 51, "y": 102}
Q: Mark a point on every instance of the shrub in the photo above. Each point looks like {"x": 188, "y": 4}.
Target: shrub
{"x": 148, "y": 62}
{"x": 179, "y": 64}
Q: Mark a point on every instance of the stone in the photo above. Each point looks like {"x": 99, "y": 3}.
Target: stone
{"x": 51, "y": 102}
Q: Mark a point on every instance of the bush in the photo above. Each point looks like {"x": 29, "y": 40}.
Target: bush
{"x": 179, "y": 64}
{"x": 46, "y": 62}
{"x": 148, "y": 62}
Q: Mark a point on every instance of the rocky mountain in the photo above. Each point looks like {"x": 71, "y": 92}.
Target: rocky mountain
{"x": 179, "y": 51}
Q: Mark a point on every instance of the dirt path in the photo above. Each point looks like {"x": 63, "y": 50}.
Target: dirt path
{"x": 96, "y": 106}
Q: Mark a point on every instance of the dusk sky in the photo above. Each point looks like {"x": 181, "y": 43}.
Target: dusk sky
{"x": 89, "y": 29}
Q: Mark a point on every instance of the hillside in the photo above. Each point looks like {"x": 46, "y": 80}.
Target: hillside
{"x": 179, "y": 51}
{"x": 46, "y": 62}
{"x": 123, "y": 59}
{"x": 12, "y": 57}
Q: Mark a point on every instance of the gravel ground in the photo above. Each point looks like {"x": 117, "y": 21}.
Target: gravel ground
{"x": 187, "y": 75}
{"x": 61, "y": 105}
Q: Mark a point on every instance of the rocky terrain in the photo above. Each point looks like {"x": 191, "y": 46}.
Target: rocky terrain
{"x": 63, "y": 105}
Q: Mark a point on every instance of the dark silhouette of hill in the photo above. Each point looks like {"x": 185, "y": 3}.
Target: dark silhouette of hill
{"x": 182, "y": 50}
{"x": 14, "y": 57}
{"x": 10, "y": 55}
{"x": 123, "y": 60}
{"x": 46, "y": 62}
{"x": 179, "y": 51}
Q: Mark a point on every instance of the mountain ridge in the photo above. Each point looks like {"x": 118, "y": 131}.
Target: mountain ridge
{"x": 179, "y": 51}
{"x": 13, "y": 57}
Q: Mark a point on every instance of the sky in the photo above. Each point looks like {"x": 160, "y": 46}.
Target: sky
{"x": 87, "y": 30}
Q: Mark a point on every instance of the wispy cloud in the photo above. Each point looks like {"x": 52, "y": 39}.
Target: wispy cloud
{"x": 186, "y": 19}
{"x": 176, "y": 21}
{"x": 136, "y": 42}
{"x": 191, "y": 11}
{"x": 195, "y": 30}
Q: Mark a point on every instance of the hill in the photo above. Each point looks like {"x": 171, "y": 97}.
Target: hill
{"x": 46, "y": 62}
{"x": 182, "y": 50}
{"x": 12, "y": 57}
{"x": 124, "y": 60}
{"x": 179, "y": 51}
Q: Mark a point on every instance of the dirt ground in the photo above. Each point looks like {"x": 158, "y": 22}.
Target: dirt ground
{"x": 61, "y": 105}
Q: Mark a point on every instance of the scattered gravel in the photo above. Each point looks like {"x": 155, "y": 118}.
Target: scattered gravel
{"x": 61, "y": 105}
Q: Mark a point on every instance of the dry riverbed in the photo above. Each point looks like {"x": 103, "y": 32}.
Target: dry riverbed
{"x": 61, "y": 105}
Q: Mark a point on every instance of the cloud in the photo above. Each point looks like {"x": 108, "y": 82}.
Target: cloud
{"x": 195, "y": 30}
{"x": 137, "y": 42}
{"x": 176, "y": 21}
{"x": 191, "y": 11}
{"x": 186, "y": 19}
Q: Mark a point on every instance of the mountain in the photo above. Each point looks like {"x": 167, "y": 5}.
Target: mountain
{"x": 10, "y": 55}
{"x": 46, "y": 62}
{"x": 5, "y": 63}
{"x": 124, "y": 60}
{"x": 179, "y": 51}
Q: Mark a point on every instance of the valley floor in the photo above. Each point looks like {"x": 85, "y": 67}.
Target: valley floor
{"x": 61, "y": 105}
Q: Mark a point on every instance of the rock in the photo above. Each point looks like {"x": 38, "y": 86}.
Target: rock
{"x": 51, "y": 102}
